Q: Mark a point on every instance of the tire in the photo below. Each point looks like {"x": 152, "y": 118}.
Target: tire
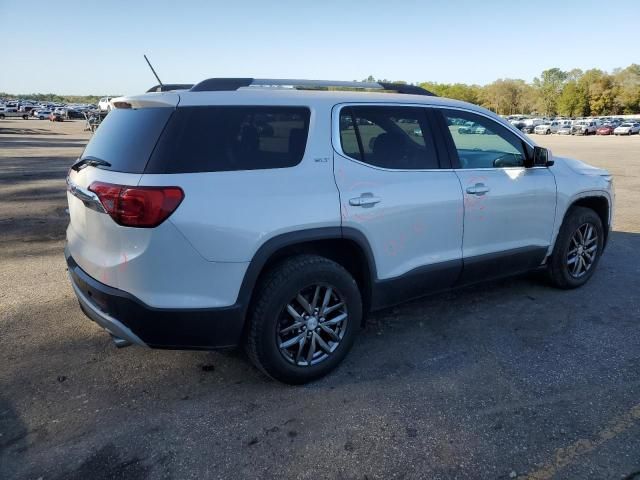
{"x": 559, "y": 269}
{"x": 1, "y": 116}
{"x": 548, "y": 132}
{"x": 270, "y": 317}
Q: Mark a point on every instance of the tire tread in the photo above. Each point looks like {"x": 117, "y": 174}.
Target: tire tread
{"x": 266, "y": 290}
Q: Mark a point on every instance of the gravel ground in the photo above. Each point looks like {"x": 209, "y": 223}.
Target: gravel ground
{"x": 511, "y": 379}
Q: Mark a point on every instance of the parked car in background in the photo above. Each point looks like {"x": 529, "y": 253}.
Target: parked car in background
{"x": 104, "y": 105}
{"x": 584, "y": 127}
{"x": 471, "y": 128}
{"x": 42, "y": 114}
{"x": 605, "y": 129}
{"x": 26, "y": 108}
{"x": 564, "y": 130}
{"x": 12, "y": 112}
{"x": 627, "y": 129}
{"x": 530, "y": 124}
{"x": 547, "y": 128}
{"x": 56, "y": 116}
{"x": 74, "y": 113}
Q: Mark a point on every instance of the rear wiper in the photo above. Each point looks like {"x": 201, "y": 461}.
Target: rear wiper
{"x": 89, "y": 161}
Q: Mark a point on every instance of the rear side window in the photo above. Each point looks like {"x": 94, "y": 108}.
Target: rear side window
{"x": 388, "y": 137}
{"x": 221, "y": 138}
{"x": 126, "y": 138}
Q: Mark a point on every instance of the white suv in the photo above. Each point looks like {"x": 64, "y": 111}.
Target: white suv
{"x": 584, "y": 127}
{"x": 547, "y": 128}
{"x": 104, "y": 105}
{"x": 275, "y": 214}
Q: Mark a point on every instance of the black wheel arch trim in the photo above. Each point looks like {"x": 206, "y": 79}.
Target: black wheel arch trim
{"x": 269, "y": 248}
{"x": 382, "y": 293}
{"x": 585, "y": 196}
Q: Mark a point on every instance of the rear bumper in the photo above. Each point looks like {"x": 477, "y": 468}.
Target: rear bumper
{"x": 126, "y": 317}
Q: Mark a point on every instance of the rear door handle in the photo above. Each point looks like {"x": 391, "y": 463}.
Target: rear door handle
{"x": 478, "y": 189}
{"x": 364, "y": 200}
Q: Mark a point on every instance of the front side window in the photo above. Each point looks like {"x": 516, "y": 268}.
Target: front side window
{"x": 227, "y": 138}
{"x": 483, "y": 143}
{"x": 388, "y": 137}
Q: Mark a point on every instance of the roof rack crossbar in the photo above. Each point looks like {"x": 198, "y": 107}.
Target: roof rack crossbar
{"x": 230, "y": 84}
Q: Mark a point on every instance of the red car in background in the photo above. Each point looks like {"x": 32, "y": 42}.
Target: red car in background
{"x": 605, "y": 130}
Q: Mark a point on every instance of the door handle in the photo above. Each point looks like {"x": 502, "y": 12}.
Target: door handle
{"x": 478, "y": 189}
{"x": 364, "y": 200}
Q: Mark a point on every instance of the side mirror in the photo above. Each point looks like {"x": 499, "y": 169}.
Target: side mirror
{"x": 541, "y": 157}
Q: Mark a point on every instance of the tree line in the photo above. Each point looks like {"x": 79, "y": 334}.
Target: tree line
{"x": 573, "y": 93}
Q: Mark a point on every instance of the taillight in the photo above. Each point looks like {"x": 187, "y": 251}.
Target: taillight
{"x": 142, "y": 207}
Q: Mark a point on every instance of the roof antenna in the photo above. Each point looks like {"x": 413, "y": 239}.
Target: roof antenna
{"x": 154, "y": 72}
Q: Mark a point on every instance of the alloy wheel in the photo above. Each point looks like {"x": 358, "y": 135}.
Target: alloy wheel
{"x": 583, "y": 248}
{"x": 312, "y": 325}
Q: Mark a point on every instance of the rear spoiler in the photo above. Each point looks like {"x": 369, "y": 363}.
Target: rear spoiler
{"x": 167, "y": 99}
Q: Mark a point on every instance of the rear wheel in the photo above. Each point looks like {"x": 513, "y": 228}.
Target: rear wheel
{"x": 305, "y": 317}
{"x": 577, "y": 249}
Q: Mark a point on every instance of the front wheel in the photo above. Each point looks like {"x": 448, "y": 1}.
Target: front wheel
{"x": 577, "y": 249}
{"x": 306, "y": 314}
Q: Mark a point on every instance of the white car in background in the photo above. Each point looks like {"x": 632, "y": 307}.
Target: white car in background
{"x": 627, "y": 128}
{"x": 564, "y": 129}
{"x": 584, "y": 127}
{"x": 104, "y": 105}
{"x": 547, "y": 128}
{"x": 42, "y": 114}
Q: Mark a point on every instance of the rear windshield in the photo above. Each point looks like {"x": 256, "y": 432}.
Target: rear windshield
{"x": 126, "y": 138}
{"x": 225, "y": 138}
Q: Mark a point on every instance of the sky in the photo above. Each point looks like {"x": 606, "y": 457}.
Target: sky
{"x": 96, "y": 47}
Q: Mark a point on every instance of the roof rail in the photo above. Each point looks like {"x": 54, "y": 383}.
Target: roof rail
{"x": 167, "y": 87}
{"x": 230, "y": 84}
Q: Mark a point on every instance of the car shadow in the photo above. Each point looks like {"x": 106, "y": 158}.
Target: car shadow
{"x": 27, "y": 131}
{"x": 481, "y": 352}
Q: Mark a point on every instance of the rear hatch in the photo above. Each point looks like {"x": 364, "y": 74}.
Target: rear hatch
{"x": 116, "y": 155}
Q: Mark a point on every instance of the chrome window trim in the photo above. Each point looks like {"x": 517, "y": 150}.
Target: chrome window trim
{"x": 337, "y": 144}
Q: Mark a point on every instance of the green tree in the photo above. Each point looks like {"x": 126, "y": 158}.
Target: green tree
{"x": 628, "y": 84}
{"x": 457, "y": 91}
{"x": 549, "y": 85}
{"x": 507, "y": 96}
{"x": 573, "y": 100}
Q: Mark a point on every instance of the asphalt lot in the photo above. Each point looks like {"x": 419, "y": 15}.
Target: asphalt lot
{"x": 504, "y": 380}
